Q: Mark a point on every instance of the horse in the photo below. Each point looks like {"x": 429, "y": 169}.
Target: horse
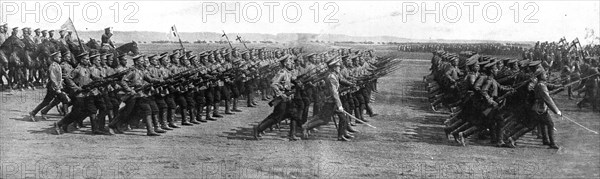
{"x": 93, "y": 44}
{"x": 15, "y": 52}
{"x": 126, "y": 49}
{"x": 75, "y": 48}
{"x": 3, "y": 67}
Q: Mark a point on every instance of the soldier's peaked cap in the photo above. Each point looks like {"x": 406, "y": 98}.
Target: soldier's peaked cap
{"x": 82, "y": 54}
{"x": 164, "y": 54}
{"x": 55, "y": 54}
{"x": 334, "y": 61}
{"x": 137, "y": 57}
{"x": 491, "y": 63}
{"x": 471, "y": 61}
{"x": 534, "y": 63}
{"x": 121, "y": 56}
{"x": 94, "y": 55}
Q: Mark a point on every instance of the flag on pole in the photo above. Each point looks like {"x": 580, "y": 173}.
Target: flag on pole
{"x": 68, "y": 25}
{"x": 174, "y": 31}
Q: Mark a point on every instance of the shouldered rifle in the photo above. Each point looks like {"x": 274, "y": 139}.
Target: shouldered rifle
{"x": 104, "y": 81}
{"x": 505, "y": 95}
{"x": 558, "y": 90}
{"x": 298, "y": 83}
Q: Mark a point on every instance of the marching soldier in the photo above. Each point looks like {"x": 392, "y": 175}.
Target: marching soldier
{"x": 138, "y": 100}
{"x": 165, "y": 68}
{"x": 84, "y": 103}
{"x": 285, "y": 108}
{"x": 96, "y": 70}
{"x": 332, "y": 105}
{"x": 53, "y": 87}
{"x": 66, "y": 66}
{"x": 153, "y": 73}
{"x": 539, "y": 111}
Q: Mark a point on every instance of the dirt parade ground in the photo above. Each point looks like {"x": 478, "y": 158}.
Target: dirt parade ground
{"x": 409, "y": 142}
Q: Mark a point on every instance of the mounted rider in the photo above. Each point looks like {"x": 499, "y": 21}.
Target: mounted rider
{"x": 107, "y": 44}
{"x": 3, "y": 33}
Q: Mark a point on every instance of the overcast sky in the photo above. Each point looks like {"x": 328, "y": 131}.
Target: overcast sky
{"x": 519, "y": 20}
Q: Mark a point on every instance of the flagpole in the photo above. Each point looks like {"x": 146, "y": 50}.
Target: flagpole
{"x": 180, "y": 43}
{"x": 240, "y": 39}
{"x": 224, "y": 34}
{"x": 77, "y": 34}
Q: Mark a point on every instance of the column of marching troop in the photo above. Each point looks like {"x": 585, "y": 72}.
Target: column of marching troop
{"x": 502, "y": 99}
{"x": 154, "y": 89}
{"x": 95, "y": 85}
{"x": 338, "y": 83}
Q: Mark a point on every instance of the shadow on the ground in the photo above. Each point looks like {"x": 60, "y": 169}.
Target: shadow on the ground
{"x": 280, "y": 132}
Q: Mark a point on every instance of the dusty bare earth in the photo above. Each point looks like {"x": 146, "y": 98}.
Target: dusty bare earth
{"x": 408, "y": 143}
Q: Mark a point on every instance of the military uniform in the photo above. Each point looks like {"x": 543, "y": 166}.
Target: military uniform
{"x": 53, "y": 87}
{"x": 331, "y": 106}
{"x": 138, "y": 100}
{"x": 286, "y": 108}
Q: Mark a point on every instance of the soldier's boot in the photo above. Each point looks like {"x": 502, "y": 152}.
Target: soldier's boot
{"x": 520, "y": 131}
{"x": 228, "y": 107}
{"x": 184, "y": 119}
{"x": 216, "y": 111}
{"x": 199, "y": 115}
{"x": 163, "y": 120}
{"x": 253, "y": 101}
{"x": 111, "y": 116}
{"x": 342, "y": 127}
{"x": 208, "y": 114}
{"x": 551, "y": 138}
{"x": 462, "y": 136}
{"x": 539, "y": 132}
{"x": 448, "y": 130}
{"x": 249, "y": 100}
{"x": 235, "y": 105}
{"x": 292, "y": 134}
{"x": 193, "y": 116}
{"x": 114, "y": 126}
{"x": 499, "y": 136}
{"x": 149, "y": 129}
{"x": 361, "y": 110}
{"x": 455, "y": 132}
{"x": 351, "y": 129}
{"x": 94, "y": 123}
{"x": 263, "y": 95}
{"x": 101, "y": 124}
{"x": 262, "y": 126}
{"x": 544, "y": 131}
{"x": 156, "y": 124}
{"x": 357, "y": 115}
{"x": 369, "y": 110}
{"x": 171, "y": 118}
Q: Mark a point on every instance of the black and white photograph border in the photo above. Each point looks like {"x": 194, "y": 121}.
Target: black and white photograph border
{"x": 299, "y": 89}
